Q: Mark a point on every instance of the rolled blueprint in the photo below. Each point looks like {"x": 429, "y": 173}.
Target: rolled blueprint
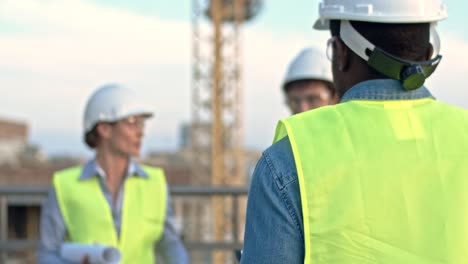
{"x": 98, "y": 254}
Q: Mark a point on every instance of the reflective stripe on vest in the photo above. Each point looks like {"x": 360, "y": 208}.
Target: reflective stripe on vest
{"x": 88, "y": 217}
{"x": 382, "y": 181}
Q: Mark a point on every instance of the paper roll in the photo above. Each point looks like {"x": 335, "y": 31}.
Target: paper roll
{"x": 97, "y": 254}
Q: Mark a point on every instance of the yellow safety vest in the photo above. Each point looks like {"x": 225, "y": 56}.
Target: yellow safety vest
{"x": 88, "y": 217}
{"x": 382, "y": 181}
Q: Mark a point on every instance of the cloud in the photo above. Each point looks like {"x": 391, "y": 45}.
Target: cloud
{"x": 71, "y": 47}
{"x": 78, "y": 33}
{"x": 64, "y": 49}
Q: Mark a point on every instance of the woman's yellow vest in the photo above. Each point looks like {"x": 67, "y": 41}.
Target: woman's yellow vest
{"x": 88, "y": 217}
{"x": 382, "y": 182}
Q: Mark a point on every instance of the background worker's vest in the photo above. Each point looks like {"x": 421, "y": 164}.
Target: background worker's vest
{"x": 88, "y": 217}
{"x": 382, "y": 182}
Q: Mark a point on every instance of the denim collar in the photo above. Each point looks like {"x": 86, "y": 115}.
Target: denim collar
{"x": 92, "y": 168}
{"x": 384, "y": 89}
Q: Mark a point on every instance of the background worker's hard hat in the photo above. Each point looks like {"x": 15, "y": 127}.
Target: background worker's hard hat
{"x": 380, "y": 11}
{"x": 111, "y": 103}
{"x": 309, "y": 64}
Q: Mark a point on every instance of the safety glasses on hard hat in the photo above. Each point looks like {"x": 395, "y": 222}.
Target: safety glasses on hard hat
{"x": 132, "y": 121}
{"x": 311, "y": 100}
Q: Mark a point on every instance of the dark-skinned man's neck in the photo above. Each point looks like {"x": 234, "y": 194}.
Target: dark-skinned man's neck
{"x": 357, "y": 72}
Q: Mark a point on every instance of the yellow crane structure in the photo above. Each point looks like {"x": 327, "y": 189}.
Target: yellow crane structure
{"x": 217, "y": 124}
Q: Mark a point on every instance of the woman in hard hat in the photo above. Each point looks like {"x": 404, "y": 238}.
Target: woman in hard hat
{"x": 308, "y": 83}
{"x": 112, "y": 200}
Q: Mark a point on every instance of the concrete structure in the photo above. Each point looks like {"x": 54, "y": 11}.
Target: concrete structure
{"x": 13, "y": 140}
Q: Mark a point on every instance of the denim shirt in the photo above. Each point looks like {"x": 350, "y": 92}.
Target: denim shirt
{"x": 274, "y": 230}
{"x": 53, "y": 229}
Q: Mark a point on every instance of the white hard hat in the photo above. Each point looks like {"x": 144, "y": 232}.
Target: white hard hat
{"x": 111, "y": 103}
{"x": 310, "y": 63}
{"x": 380, "y": 11}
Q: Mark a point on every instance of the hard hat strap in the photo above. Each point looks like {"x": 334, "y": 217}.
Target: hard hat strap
{"x": 411, "y": 73}
{"x": 354, "y": 40}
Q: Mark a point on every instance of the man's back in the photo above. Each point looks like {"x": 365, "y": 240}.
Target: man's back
{"x": 382, "y": 181}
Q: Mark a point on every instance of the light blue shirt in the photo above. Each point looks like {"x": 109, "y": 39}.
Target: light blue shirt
{"x": 53, "y": 229}
{"x": 274, "y": 229}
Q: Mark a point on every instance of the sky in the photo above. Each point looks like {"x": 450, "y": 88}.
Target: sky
{"x": 54, "y": 53}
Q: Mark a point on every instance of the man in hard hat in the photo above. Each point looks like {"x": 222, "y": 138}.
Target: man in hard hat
{"x": 380, "y": 177}
{"x": 308, "y": 83}
{"x": 112, "y": 200}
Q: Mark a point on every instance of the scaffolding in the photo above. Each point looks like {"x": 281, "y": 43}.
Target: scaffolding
{"x": 217, "y": 123}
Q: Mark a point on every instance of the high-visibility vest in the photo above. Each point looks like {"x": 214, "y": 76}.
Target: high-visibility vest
{"x": 88, "y": 217}
{"x": 382, "y": 181}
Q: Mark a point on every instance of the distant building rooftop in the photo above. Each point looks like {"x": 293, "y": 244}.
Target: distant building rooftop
{"x": 13, "y": 130}
{"x": 32, "y": 174}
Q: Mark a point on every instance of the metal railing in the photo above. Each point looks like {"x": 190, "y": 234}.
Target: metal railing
{"x": 34, "y": 196}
